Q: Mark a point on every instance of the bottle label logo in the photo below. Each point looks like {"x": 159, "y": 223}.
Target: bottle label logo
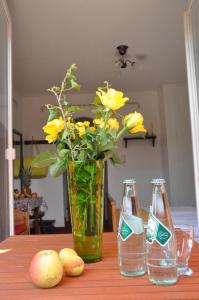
{"x": 156, "y": 231}
{"x": 125, "y": 230}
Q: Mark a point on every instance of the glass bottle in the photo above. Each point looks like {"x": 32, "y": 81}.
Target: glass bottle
{"x": 160, "y": 239}
{"x": 131, "y": 237}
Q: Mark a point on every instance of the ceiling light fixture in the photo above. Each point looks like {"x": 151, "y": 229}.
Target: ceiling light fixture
{"x": 122, "y": 62}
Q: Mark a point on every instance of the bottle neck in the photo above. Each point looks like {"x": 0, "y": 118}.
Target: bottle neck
{"x": 160, "y": 203}
{"x": 130, "y": 204}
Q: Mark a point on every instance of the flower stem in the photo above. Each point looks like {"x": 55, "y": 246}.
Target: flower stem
{"x": 120, "y": 133}
{"x": 106, "y": 119}
{"x": 64, "y": 117}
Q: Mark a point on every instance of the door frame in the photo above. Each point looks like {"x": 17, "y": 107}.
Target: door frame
{"x": 9, "y": 153}
{"x": 193, "y": 92}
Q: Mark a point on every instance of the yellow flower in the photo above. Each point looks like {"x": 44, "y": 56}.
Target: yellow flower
{"x": 99, "y": 122}
{"x": 92, "y": 129}
{"x": 113, "y": 123}
{"x": 51, "y": 138}
{"x": 81, "y": 130}
{"x": 69, "y": 124}
{"x": 138, "y": 129}
{"x": 81, "y": 127}
{"x": 111, "y": 99}
{"x": 84, "y": 124}
{"x": 53, "y": 128}
{"x": 133, "y": 119}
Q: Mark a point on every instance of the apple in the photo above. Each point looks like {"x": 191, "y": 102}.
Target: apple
{"x": 73, "y": 266}
{"x": 65, "y": 252}
{"x": 46, "y": 269}
{"x": 72, "y": 263}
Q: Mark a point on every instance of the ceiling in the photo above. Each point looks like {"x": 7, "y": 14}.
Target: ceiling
{"x": 49, "y": 35}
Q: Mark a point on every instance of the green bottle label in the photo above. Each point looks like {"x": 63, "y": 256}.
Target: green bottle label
{"x": 125, "y": 230}
{"x": 156, "y": 231}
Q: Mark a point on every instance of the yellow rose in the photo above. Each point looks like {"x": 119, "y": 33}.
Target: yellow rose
{"x": 111, "y": 99}
{"x": 138, "y": 129}
{"x": 133, "y": 119}
{"x": 53, "y": 128}
{"x": 113, "y": 123}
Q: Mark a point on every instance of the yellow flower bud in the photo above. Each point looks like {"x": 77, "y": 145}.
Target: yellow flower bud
{"x": 92, "y": 129}
{"x": 111, "y": 99}
{"x": 113, "y": 123}
{"x": 133, "y": 119}
{"x": 99, "y": 122}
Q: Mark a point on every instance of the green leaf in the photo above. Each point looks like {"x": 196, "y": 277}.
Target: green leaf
{"x": 63, "y": 153}
{"x": 107, "y": 155}
{"x": 75, "y": 85}
{"x": 116, "y": 159}
{"x": 57, "y": 168}
{"x": 60, "y": 146}
{"x": 89, "y": 168}
{"x": 71, "y": 69}
{"x": 96, "y": 100}
{"x": 82, "y": 155}
{"x": 106, "y": 147}
{"x": 65, "y": 100}
{"x": 81, "y": 196}
{"x": 98, "y": 112}
{"x": 53, "y": 114}
{"x": 64, "y": 135}
{"x": 44, "y": 159}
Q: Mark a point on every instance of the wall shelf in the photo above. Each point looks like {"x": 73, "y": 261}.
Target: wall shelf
{"x": 151, "y": 137}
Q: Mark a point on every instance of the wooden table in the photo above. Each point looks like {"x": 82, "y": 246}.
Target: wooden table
{"x": 100, "y": 281}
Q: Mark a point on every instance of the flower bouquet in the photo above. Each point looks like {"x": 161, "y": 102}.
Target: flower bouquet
{"x": 82, "y": 149}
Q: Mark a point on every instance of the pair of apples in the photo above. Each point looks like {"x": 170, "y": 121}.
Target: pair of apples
{"x": 47, "y": 266}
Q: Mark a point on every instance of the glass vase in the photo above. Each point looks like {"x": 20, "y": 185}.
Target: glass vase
{"x": 85, "y": 186}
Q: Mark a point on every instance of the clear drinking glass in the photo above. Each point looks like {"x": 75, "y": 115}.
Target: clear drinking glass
{"x": 185, "y": 238}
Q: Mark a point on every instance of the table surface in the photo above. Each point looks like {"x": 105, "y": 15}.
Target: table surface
{"x": 100, "y": 281}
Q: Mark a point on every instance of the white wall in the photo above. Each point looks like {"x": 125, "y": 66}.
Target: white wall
{"x": 179, "y": 147}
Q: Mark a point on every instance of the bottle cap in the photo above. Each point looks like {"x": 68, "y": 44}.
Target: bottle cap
{"x": 129, "y": 181}
{"x": 157, "y": 181}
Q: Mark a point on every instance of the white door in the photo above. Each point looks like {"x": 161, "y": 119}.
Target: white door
{"x": 6, "y": 149}
{"x": 191, "y": 22}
